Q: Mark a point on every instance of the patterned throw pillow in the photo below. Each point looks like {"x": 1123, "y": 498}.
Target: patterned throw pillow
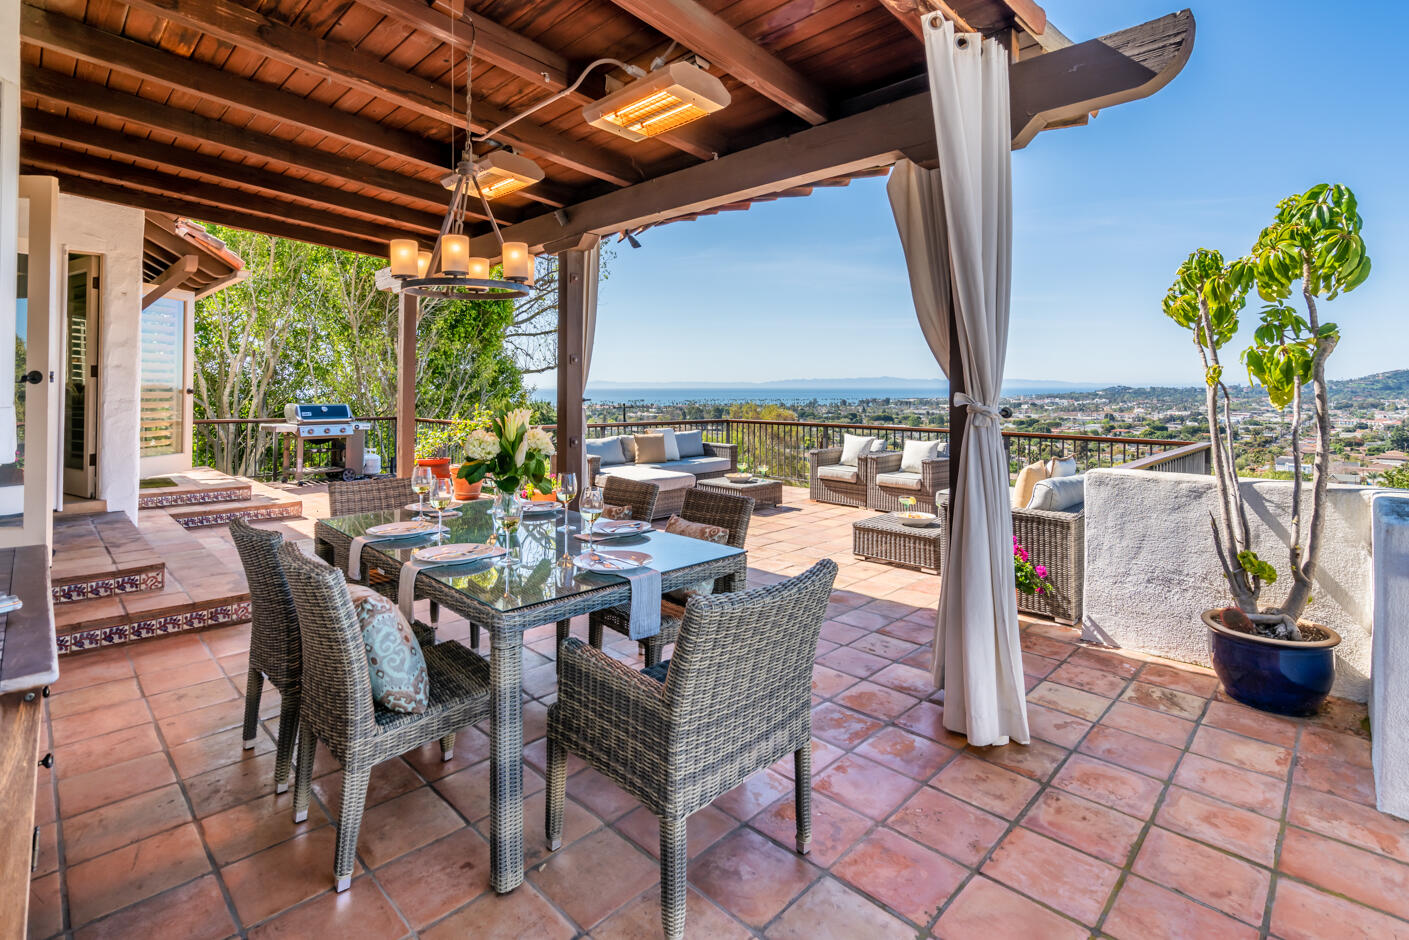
{"x": 695, "y": 530}
{"x": 615, "y": 512}
{"x": 394, "y": 661}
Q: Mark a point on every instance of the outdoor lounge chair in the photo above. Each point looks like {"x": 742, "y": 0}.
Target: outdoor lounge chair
{"x": 338, "y": 709}
{"x": 886, "y": 483}
{"x": 726, "y": 510}
{"x": 736, "y": 696}
{"x": 831, "y": 482}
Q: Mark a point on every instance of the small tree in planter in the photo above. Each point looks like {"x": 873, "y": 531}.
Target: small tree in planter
{"x": 1315, "y": 240}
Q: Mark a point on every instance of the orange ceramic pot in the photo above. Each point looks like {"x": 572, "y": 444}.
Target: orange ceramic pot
{"x": 440, "y": 466}
{"x": 465, "y": 490}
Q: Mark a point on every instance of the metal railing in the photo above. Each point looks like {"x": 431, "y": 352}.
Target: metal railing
{"x": 237, "y": 445}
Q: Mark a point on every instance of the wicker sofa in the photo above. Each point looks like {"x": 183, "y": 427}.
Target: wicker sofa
{"x": 886, "y": 483}
{"x": 1056, "y": 539}
{"x": 673, "y": 477}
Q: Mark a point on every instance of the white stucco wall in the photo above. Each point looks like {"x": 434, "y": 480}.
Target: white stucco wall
{"x": 91, "y": 227}
{"x": 1389, "y": 699}
{"x": 1151, "y": 568}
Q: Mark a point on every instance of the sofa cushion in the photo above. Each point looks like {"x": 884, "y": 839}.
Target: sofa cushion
{"x": 1061, "y": 467}
{"x": 665, "y": 479}
{"x": 1027, "y": 479}
{"x": 397, "y": 670}
{"x": 607, "y": 449}
{"x": 1060, "y": 494}
{"x": 854, "y": 447}
{"x": 915, "y": 452}
{"x": 672, "y": 447}
{"x": 650, "y": 448}
{"x": 628, "y": 447}
{"x": 901, "y": 479}
{"x": 839, "y": 473}
{"x": 691, "y": 443}
{"x": 700, "y": 466}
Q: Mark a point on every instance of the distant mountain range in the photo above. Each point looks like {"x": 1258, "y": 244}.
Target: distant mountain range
{"x": 919, "y": 386}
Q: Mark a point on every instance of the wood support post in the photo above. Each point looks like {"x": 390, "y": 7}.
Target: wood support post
{"x": 958, "y": 414}
{"x": 406, "y": 384}
{"x": 572, "y": 346}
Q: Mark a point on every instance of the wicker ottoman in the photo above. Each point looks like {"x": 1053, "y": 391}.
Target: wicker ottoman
{"x": 884, "y": 538}
{"x": 763, "y": 492}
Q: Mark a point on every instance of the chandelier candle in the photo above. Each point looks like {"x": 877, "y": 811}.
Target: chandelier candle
{"x": 455, "y": 254}
{"x": 403, "y": 257}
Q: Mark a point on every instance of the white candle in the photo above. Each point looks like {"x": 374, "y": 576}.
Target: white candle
{"x": 518, "y": 263}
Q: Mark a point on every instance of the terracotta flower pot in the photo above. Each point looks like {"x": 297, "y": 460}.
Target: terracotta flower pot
{"x": 466, "y": 491}
{"x": 440, "y": 466}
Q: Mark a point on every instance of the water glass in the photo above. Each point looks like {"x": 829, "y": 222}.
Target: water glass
{"x": 442, "y": 495}
{"x": 567, "y": 489}
{"x": 590, "y": 505}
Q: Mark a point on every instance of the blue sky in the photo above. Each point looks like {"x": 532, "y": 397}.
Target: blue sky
{"x": 1276, "y": 97}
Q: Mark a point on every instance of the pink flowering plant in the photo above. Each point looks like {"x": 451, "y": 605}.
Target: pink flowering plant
{"x": 1031, "y": 579}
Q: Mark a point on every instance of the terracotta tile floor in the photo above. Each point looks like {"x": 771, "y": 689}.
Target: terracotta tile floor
{"x": 1146, "y": 806}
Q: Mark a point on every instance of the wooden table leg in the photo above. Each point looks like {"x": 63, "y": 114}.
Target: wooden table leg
{"x": 506, "y": 760}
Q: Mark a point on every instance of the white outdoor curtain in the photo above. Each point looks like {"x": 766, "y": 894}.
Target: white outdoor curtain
{"x": 591, "y": 272}
{"x": 917, "y": 202}
{"x": 978, "y": 659}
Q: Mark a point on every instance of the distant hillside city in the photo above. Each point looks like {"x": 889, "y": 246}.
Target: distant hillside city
{"x": 1370, "y": 416}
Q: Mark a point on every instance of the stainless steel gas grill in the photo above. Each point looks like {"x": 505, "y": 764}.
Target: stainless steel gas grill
{"x": 332, "y": 428}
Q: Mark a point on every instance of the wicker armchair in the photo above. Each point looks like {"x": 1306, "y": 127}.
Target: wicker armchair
{"x": 727, "y": 510}
{"x": 736, "y": 697}
{"x": 637, "y": 494}
{"x": 337, "y": 700}
{"x": 274, "y": 642}
{"x": 883, "y": 494}
{"x": 1054, "y": 539}
{"x": 824, "y": 489}
{"x": 383, "y": 494}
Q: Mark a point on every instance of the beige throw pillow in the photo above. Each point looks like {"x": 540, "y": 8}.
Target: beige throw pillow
{"x": 695, "y": 530}
{"x": 915, "y": 453}
{"x": 650, "y": 448}
{"x": 1028, "y": 477}
{"x": 1059, "y": 467}
{"x": 854, "y": 447}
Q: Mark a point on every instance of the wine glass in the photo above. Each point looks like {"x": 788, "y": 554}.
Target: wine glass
{"x": 421, "y": 479}
{"x": 567, "y": 489}
{"x": 590, "y": 506}
{"x": 442, "y": 495}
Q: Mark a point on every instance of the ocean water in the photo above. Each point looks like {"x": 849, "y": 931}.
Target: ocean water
{"x": 768, "y": 394}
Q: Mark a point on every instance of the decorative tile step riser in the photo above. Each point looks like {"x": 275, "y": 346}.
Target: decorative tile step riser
{"x": 109, "y": 585}
{"x": 196, "y": 519}
{"x": 227, "y": 494}
{"x": 161, "y": 625}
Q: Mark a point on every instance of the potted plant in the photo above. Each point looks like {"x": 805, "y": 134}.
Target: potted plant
{"x": 433, "y": 449}
{"x": 1269, "y": 657}
{"x": 512, "y": 451}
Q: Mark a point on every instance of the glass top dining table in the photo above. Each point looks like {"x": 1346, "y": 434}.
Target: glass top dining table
{"x": 509, "y": 599}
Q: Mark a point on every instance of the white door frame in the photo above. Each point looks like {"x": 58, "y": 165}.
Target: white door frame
{"x": 82, "y": 482}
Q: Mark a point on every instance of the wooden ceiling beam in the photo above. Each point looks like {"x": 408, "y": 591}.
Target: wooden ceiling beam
{"x": 701, "y": 31}
{"x": 840, "y": 147}
{"x": 523, "y": 58}
{"x": 55, "y": 159}
{"x": 68, "y": 91}
{"x": 173, "y": 205}
{"x": 94, "y": 137}
{"x": 352, "y": 68}
{"x": 1062, "y": 86}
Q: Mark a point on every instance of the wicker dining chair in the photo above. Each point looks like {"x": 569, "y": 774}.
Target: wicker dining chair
{"x": 638, "y": 494}
{"x": 735, "y": 697}
{"x": 727, "y": 510}
{"x": 382, "y": 494}
{"x": 274, "y": 642}
{"x": 337, "y": 699}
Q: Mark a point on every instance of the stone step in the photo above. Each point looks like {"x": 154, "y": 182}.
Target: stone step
{"x": 108, "y": 621}
{"x": 190, "y": 492}
{"x": 101, "y": 555}
{"x": 252, "y": 509}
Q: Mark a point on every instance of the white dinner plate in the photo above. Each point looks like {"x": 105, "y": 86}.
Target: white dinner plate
{"x": 393, "y": 530}
{"x": 611, "y": 562}
{"x": 456, "y": 553}
{"x": 412, "y": 507}
{"x": 430, "y": 513}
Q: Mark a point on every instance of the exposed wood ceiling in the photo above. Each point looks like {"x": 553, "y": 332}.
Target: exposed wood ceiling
{"x": 334, "y": 120}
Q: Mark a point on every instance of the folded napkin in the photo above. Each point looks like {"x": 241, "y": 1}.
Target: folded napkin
{"x": 645, "y": 602}
{"x": 406, "y": 586}
{"x": 354, "y": 551}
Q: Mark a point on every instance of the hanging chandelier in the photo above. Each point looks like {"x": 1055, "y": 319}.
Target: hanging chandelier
{"x": 449, "y": 271}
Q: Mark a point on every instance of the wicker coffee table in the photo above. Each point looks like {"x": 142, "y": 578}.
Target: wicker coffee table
{"x": 885, "y": 538}
{"x": 763, "y": 492}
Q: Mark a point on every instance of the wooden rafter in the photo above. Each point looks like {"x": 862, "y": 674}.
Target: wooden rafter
{"x": 174, "y": 205}
{"x": 55, "y": 160}
{"x": 1065, "y": 85}
{"x": 170, "y": 279}
{"x": 352, "y": 68}
{"x": 96, "y": 138}
{"x": 523, "y": 58}
{"x": 701, "y": 31}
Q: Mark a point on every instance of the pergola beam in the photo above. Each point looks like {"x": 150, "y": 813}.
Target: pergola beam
{"x": 172, "y": 205}
{"x": 170, "y": 279}
{"x": 54, "y": 159}
{"x": 1063, "y": 86}
{"x": 97, "y": 138}
{"x": 352, "y": 68}
{"x": 699, "y": 30}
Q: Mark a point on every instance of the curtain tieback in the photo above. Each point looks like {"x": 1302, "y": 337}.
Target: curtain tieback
{"x": 981, "y": 414}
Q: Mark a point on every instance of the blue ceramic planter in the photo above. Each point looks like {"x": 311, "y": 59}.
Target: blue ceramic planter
{"x": 1279, "y": 676}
